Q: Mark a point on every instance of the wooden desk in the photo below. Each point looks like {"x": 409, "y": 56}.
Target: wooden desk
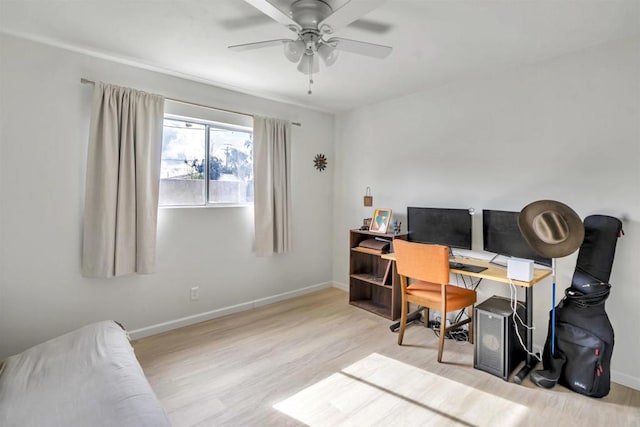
{"x": 499, "y": 274}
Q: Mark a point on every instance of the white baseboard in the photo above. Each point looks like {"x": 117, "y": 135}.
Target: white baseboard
{"x": 625, "y": 380}
{"x": 617, "y": 377}
{"x": 340, "y": 286}
{"x": 208, "y": 315}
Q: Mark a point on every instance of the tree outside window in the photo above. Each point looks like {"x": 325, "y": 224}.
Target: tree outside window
{"x": 205, "y": 164}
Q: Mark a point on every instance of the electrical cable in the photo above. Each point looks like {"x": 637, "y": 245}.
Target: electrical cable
{"x": 513, "y": 293}
{"x": 592, "y": 299}
{"x": 460, "y": 335}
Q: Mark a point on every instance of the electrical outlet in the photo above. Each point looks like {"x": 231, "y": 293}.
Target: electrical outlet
{"x": 195, "y": 293}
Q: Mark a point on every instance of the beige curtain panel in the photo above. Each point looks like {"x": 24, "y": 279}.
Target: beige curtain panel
{"x": 272, "y": 185}
{"x": 123, "y": 176}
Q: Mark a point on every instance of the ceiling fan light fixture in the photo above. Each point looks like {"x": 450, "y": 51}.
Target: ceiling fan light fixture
{"x": 328, "y": 53}
{"x": 294, "y": 50}
{"x": 309, "y": 64}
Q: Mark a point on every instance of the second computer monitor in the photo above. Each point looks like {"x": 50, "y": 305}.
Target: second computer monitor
{"x": 442, "y": 226}
{"x": 501, "y": 235}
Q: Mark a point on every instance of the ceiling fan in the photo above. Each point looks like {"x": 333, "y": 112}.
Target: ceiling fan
{"x": 312, "y": 20}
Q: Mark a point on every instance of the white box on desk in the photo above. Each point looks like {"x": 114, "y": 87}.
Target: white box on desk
{"x": 520, "y": 269}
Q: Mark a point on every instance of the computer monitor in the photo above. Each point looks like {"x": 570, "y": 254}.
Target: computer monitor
{"x": 448, "y": 227}
{"x": 501, "y": 235}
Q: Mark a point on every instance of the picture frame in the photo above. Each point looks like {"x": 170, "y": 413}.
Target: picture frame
{"x": 380, "y": 221}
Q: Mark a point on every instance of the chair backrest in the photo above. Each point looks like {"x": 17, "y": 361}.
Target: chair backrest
{"x": 429, "y": 263}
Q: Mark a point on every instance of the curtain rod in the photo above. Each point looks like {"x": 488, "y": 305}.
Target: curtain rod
{"x": 91, "y": 82}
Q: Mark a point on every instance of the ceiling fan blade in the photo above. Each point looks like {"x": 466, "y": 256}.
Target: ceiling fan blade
{"x": 274, "y": 13}
{"x": 238, "y": 24}
{"x": 371, "y": 26}
{"x": 258, "y": 45}
{"x": 361, "y": 48}
{"x": 349, "y": 12}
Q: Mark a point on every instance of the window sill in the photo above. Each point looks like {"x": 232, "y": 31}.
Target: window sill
{"x": 212, "y": 205}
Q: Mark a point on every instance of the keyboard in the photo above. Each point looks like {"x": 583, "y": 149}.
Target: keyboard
{"x": 466, "y": 267}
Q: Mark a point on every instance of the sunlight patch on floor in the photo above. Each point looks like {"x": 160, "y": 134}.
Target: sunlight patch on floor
{"x": 378, "y": 390}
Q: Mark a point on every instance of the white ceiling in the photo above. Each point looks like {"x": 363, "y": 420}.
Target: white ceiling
{"x": 433, "y": 40}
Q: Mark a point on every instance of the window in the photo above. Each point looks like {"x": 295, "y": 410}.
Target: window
{"x": 205, "y": 163}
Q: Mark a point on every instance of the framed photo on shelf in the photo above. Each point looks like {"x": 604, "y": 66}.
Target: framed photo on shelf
{"x": 380, "y": 221}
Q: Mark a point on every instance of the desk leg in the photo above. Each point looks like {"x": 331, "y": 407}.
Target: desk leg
{"x": 531, "y": 361}
{"x": 411, "y": 317}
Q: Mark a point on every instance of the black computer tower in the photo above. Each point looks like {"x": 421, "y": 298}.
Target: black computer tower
{"x": 497, "y": 348}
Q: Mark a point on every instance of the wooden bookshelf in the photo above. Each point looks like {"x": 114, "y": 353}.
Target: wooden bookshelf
{"x": 373, "y": 282}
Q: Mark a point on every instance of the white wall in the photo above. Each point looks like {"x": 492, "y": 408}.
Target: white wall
{"x": 566, "y": 129}
{"x": 44, "y": 113}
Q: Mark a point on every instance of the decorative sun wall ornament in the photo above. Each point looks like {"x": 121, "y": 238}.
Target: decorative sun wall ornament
{"x": 320, "y": 162}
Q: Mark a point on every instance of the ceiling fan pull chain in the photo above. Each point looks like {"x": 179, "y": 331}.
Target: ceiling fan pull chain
{"x": 310, "y": 74}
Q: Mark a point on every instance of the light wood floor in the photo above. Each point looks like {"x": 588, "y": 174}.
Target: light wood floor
{"x": 232, "y": 370}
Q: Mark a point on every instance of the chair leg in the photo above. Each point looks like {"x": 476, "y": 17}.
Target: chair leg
{"x": 403, "y": 321}
{"x": 470, "y": 337}
{"x": 443, "y": 333}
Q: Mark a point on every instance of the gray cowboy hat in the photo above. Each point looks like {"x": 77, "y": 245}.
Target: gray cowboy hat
{"x": 551, "y": 228}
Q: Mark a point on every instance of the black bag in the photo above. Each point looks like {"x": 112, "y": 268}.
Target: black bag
{"x": 584, "y": 338}
{"x": 584, "y": 335}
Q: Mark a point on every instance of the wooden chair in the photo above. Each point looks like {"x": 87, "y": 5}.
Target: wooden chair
{"x": 428, "y": 267}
